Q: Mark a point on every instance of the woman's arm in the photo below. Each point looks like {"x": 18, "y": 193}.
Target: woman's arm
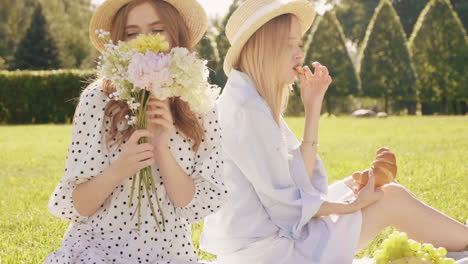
{"x": 89, "y": 196}
{"x": 179, "y": 186}
{"x": 366, "y": 196}
{"x": 313, "y": 89}
{"x": 329, "y": 208}
{"x": 308, "y": 148}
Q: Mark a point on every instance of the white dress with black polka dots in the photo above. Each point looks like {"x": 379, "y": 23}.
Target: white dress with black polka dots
{"x": 110, "y": 235}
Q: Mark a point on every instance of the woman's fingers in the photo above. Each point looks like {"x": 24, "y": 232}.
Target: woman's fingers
{"x": 324, "y": 70}
{"x": 371, "y": 182}
{"x": 146, "y": 163}
{"x": 162, "y": 122}
{"x": 144, "y": 155}
{"x": 308, "y": 73}
{"x": 143, "y": 147}
{"x": 159, "y": 113}
{"x": 154, "y": 103}
{"x": 162, "y": 104}
{"x": 135, "y": 137}
{"x": 321, "y": 72}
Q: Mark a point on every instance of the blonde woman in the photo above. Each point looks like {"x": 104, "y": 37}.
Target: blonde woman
{"x": 104, "y": 155}
{"x": 280, "y": 208}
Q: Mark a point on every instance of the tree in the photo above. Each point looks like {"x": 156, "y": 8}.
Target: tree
{"x": 206, "y": 51}
{"x": 354, "y": 16}
{"x": 329, "y": 48}
{"x": 439, "y": 48}
{"x": 69, "y": 25}
{"x": 2, "y": 64}
{"x": 15, "y": 18}
{"x": 37, "y": 50}
{"x": 409, "y": 11}
{"x": 386, "y": 70}
{"x": 222, "y": 43}
{"x": 461, "y": 7}
{"x": 67, "y": 22}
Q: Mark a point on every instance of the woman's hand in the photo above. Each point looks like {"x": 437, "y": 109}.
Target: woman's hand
{"x": 159, "y": 122}
{"x": 135, "y": 156}
{"x": 89, "y": 196}
{"x": 314, "y": 85}
{"x": 369, "y": 194}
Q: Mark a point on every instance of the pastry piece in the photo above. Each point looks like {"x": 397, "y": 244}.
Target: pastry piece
{"x": 300, "y": 70}
{"x": 382, "y": 149}
{"x": 384, "y": 168}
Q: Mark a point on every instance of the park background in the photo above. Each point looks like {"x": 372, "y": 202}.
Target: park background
{"x": 407, "y": 58}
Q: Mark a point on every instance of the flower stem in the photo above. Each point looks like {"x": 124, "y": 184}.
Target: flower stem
{"x": 147, "y": 187}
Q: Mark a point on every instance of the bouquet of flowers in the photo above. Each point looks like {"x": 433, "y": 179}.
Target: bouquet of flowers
{"x": 142, "y": 67}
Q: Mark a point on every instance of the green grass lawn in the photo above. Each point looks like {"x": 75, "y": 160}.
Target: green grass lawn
{"x": 431, "y": 154}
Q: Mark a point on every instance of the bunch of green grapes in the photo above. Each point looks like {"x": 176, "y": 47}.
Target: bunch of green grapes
{"x": 398, "y": 249}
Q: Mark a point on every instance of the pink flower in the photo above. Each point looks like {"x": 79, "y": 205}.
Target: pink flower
{"x": 150, "y": 71}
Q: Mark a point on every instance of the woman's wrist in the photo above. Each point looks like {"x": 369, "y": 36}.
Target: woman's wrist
{"x": 117, "y": 172}
{"x": 314, "y": 107}
{"x": 311, "y": 128}
{"x": 355, "y": 205}
{"x": 161, "y": 151}
{"x": 351, "y": 206}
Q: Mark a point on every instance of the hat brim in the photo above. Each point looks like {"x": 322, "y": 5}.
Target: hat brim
{"x": 191, "y": 11}
{"x": 304, "y": 12}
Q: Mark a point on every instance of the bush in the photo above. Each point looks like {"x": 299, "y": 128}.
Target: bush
{"x": 41, "y": 96}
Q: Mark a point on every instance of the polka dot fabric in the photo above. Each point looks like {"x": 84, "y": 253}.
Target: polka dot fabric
{"x": 111, "y": 235}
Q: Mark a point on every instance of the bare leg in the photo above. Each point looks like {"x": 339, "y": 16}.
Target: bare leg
{"x": 403, "y": 210}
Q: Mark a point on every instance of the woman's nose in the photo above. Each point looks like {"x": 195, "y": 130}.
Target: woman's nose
{"x": 300, "y": 55}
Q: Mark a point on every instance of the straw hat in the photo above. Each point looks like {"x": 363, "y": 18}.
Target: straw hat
{"x": 253, "y": 14}
{"x": 191, "y": 11}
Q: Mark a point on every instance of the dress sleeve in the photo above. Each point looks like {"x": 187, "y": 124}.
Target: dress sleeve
{"x": 210, "y": 191}
{"x": 298, "y": 171}
{"x": 253, "y": 142}
{"x": 297, "y": 167}
{"x": 87, "y": 153}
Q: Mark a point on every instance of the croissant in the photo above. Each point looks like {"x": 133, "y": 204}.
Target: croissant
{"x": 299, "y": 69}
{"x": 384, "y": 168}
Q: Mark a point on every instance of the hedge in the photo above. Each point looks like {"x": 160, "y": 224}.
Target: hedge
{"x": 34, "y": 97}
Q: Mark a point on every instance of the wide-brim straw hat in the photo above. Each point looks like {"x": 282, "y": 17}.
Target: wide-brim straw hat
{"x": 191, "y": 11}
{"x": 253, "y": 14}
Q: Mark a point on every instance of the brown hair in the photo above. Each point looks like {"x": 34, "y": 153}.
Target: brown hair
{"x": 185, "y": 120}
{"x": 261, "y": 59}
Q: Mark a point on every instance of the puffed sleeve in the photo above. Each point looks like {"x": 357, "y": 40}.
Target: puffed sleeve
{"x": 253, "y": 141}
{"x": 87, "y": 153}
{"x": 210, "y": 192}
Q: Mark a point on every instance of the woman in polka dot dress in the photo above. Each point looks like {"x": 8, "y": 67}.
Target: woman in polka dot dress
{"x": 104, "y": 155}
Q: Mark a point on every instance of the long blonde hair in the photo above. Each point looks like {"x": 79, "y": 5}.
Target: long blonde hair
{"x": 185, "y": 120}
{"x": 262, "y": 57}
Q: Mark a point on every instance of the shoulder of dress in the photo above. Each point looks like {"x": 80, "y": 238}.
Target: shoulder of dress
{"x": 94, "y": 94}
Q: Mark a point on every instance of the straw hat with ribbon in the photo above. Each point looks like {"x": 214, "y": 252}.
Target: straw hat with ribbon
{"x": 253, "y": 14}
{"x": 191, "y": 11}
